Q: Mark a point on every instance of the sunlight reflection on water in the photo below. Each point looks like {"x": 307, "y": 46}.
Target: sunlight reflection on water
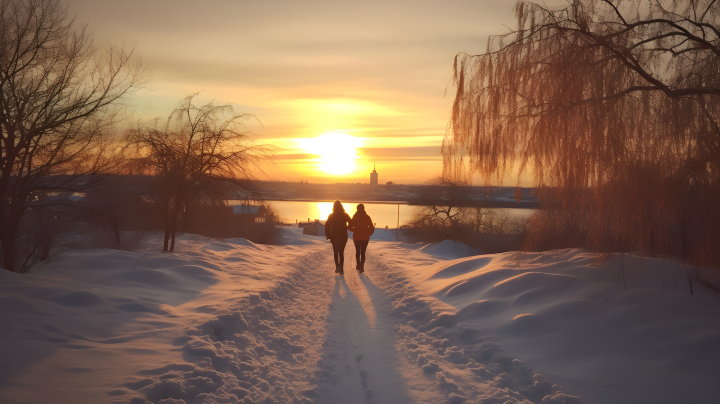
{"x": 382, "y": 214}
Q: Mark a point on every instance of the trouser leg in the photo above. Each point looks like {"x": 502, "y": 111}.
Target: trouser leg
{"x": 363, "y": 248}
{"x": 339, "y": 251}
{"x": 342, "y": 252}
{"x": 357, "y": 250}
{"x": 336, "y": 251}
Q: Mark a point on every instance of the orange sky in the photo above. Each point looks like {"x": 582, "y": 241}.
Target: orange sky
{"x": 375, "y": 70}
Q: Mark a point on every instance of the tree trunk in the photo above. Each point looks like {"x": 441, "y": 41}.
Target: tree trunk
{"x": 686, "y": 227}
{"x": 8, "y": 238}
{"x": 167, "y": 229}
{"x": 7, "y": 241}
{"x": 167, "y": 213}
{"x": 172, "y": 233}
{"x": 116, "y": 230}
{"x": 172, "y": 243}
{"x": 174, "y": 218}
{"x": 186, "y": 219}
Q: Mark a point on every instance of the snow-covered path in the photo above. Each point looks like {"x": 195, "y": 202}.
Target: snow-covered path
{"x": 226, "y": 321}
{"x": 360, "y": 359}
{"x": 314, "y": 337}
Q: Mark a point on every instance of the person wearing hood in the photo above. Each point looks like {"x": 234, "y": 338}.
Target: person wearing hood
{"x": 336, "y": 227}
{"x": 363, "y": 228}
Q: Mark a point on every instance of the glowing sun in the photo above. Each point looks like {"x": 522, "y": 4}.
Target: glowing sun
{"x": 337, "y": 151}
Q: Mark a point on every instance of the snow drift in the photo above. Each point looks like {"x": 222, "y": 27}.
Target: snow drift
{"x": 230, "y": 321}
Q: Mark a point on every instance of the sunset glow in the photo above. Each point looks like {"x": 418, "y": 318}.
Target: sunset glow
{"x": 337, "y": 151}
{"x": 305, "y": 69}
{"x": 324, "y": 209}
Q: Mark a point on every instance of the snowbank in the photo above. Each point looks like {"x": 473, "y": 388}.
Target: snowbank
{"x": 91, "y": 325}
{"x": 231, "y": 321}
{"x": 450, "y": 249}
{"x": 608, "y": 328}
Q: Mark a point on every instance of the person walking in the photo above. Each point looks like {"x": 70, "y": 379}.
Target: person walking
{"x": 363, "y": 228}
{"x": 336, "y": 227}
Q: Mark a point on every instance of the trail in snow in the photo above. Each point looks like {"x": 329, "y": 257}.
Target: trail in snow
{"x": 314, "y": 337}
{"x": 317, "y": 337}
{"x": 359, "y": 359}
{"x": 262, "y": 350}
{"x": 386, "y": 343}
{"x": 228, "y": 321}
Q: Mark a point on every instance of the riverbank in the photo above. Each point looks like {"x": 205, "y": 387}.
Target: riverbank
{"x": 473, "y": 196}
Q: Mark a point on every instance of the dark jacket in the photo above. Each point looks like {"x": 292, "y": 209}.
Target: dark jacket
{"x": 362, "y": 226}
{"x": 337, "y": 225}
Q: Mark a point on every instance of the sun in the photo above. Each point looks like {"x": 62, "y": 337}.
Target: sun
{"x": 337, "y": 151}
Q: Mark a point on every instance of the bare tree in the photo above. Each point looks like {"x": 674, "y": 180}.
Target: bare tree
{"x": 615, "y": 104}
{"x": 198, "y": 146}
{"x": 113, "y": 202}
{"x": 445, "y": 204}
{"x": 58, "y": 95}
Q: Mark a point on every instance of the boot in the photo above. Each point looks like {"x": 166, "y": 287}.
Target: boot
{"x": 340, "y": 269}
{"x": 337, "y": 269}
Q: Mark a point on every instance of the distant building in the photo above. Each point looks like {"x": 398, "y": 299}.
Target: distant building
{"x": 249, "y": 213}
{"x": 389, "y": 183}
{"x": 374, "y": 176}
{"x": 314, "y": 229}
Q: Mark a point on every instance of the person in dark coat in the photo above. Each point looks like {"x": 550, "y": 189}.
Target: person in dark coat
{"x": 336, "y": 227}
{"x": 363, "y": 228}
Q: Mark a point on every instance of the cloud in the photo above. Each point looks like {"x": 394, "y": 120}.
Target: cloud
{"x": 375, "y": 69}
{"x": 296, "y": 156}
{"x": 432, "y": 152}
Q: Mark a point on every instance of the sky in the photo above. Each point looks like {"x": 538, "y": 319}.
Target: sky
{"x": 336, "y": 86}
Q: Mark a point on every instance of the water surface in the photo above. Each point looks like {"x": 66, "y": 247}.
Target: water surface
{"x": 382, "y": 214}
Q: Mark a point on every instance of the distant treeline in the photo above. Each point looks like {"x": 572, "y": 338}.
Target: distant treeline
{"x": 412, "y": 194}
{"x": 117, "y": 211}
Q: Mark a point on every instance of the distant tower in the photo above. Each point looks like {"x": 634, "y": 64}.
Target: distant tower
{"x": 373, "y": 176}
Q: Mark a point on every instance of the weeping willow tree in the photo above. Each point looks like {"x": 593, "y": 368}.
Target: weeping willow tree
{"x": 614, "y": 107}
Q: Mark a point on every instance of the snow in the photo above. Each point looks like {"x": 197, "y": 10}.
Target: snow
{"x": 232, "y": 321}
{"x": 384, "y": 235}
{"x": 450, "y": 249}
